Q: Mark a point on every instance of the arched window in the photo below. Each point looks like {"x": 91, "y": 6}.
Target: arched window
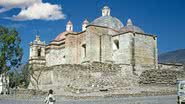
{"x": 84, "y": 50}
{"x": 70, "y": 28}
{"x": 39, "y": 52}
{"x": 116, "y": 45}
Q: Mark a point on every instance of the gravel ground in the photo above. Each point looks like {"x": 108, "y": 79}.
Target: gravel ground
{"x": 122, "y": 100}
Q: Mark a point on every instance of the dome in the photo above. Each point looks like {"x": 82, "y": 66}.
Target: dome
{"x": 69, "y": 29}
{"x": 61, "y": 36}
{"x": 108, "y": 21}
{"x": 131, "y": 27}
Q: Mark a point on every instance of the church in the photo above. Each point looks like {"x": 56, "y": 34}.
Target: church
{"x": 104, "y": 40}
{"x": 106, "y": 55}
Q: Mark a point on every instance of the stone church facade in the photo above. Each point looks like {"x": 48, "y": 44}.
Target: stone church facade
{"x": 105, "y": 40}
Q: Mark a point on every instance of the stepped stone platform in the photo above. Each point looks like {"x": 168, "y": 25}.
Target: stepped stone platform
{"x": 103, "y": 79}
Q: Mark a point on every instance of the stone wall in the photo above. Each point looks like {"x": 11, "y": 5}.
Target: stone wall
{"x": 177, "y": 67}
{"x": 139, "y": 68}
{"x": 83, "y": 79}
{"x": 106, "y": 48}
{"x": 70, "y": 52}
{"x": 81, "y": 47}
{"x": 93, "y": 43}
{"x": 69, "y": 79}
{"x": 145, "y": 49}
{"x": 71, "y": 49}
{"x": 99, "y": 44}
{"x": 160, "y": 77}
{"x": 123, "y": 55}
{"x": 135, "y": 48}
{"x": 55, "y": 56}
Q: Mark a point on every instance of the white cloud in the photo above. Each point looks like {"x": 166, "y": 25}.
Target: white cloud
{"x": 44, "y": 11}
{"x": 17, "y": 3}
{"x": 32, "y": 9}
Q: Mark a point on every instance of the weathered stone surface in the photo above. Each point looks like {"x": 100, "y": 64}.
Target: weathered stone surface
{"x": 85, "y": 78}
{"x": 56, "y": 55}
{"x": 177, "y": 67}
{"x": 71, "y": 79}
{"x": 145, "y": 49}
{"x": 165, "y": 76}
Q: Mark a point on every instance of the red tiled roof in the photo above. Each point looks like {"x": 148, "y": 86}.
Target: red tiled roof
{"x": 61, "y": 36}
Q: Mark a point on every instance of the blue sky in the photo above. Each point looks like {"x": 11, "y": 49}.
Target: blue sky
{"x": 164, "y": 18}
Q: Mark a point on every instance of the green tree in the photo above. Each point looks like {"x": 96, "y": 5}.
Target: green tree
{"x": 10, "y": 50}
{"x": 15, "y": 79}
{"x": 20, "y": 77}
{"x": 25, "y": 74}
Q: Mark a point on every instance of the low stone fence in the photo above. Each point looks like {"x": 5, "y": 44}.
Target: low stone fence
{"x": 171, "y": 66}
{"x": 165, "y": 76}
{"x": 26, "y": 92}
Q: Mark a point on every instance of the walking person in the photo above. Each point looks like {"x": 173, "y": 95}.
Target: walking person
{"x": 50, "y": 98}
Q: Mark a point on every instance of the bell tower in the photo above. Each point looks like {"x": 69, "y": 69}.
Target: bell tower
{"x": 37, "y": 53}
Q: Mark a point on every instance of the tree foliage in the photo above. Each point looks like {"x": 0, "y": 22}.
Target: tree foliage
{"x": 25, "y": 73}
{"x": 10, "y": 50}
{"x": 20, "y": 78}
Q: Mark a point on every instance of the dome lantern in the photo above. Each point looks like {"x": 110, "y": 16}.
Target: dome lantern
{"x": 129, "y": 22}
{"x": 106, "y": 11}
{"x": 107, "y": 20}
{"x": 69, "y": 26}
{"x": 85, "y": 23}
